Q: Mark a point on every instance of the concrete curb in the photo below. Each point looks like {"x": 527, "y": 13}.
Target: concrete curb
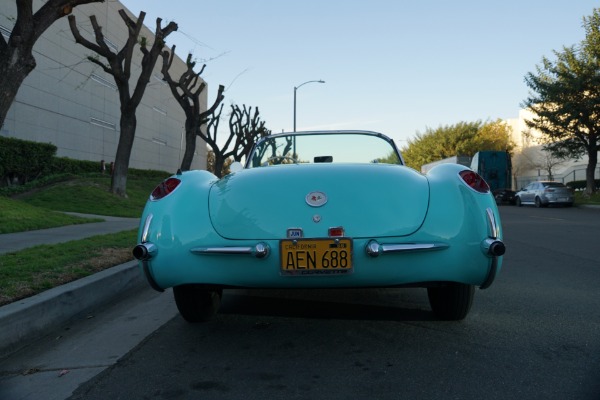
{"x": 33, "y": 317}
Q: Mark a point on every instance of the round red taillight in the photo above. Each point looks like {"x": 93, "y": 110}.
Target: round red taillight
{"x": 474, "y": 181}
{"x": 165, "y": 188}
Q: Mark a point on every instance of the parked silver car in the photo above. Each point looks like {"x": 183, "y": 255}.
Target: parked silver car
{"x": 544, "y": 193}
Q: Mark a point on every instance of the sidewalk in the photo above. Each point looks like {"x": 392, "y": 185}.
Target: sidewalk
{"x": 33, "y": 317}
{"x": 10, "y": 242}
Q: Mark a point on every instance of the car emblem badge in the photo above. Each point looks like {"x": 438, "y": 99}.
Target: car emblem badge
{"x": 316, "y": 218}
{"x": 316, "y": 199}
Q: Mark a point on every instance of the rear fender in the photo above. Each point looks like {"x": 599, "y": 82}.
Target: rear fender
{"x": 181, "y": 215}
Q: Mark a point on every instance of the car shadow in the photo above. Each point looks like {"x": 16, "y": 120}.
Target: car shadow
{"x": 326, "y": 304}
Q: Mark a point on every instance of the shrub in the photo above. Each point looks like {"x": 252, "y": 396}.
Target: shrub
{"x": 22, "y": 160}
{"x": 581, "y": 185}
{"x": 64, "y": 165}
{"x": 25, "y": 165}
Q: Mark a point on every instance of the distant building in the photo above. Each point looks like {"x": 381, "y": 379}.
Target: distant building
{"x": 529, "y": 158}
{"x": 74, "y": 104}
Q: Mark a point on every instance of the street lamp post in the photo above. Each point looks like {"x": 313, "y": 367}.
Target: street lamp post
{"x": 295, "y": 89}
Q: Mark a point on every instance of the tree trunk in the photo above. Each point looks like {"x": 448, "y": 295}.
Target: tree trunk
{"x": 191, "y": 127}
{"x": 591, "y": 168}
{"x": 119, "y": 178}
{"x": 11, "y": 78}
{"x": 219, "y": 162}
{"x": 16, "y": 57}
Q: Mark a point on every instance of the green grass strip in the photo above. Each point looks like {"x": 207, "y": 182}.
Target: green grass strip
{"x": 31, "y": 271}
{"x": 16, "y": 216}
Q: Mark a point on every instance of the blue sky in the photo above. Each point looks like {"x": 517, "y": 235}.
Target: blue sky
{"x": 393, "y": 66}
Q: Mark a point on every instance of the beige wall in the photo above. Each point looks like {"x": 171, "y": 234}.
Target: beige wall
{"x": 74, "y": 104}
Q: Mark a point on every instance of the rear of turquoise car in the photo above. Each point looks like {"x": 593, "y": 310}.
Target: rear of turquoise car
{"x": 296, "y": 217}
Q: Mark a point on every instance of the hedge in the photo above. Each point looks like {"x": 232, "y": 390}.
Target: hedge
{"x": 582, "y": 185}
{"x": 22, "y": 160}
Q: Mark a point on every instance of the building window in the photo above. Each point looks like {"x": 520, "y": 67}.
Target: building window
{"x": 160, "y": 79}
{"x": 111, "y": 45}
{"x": 103, "y": 82}
{"x": 103, "y": 124}
{"x": 160, "y": 111}
{"x": 5, "y": 32}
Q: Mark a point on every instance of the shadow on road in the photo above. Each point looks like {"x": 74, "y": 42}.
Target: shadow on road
{"x": 372, "y": 305}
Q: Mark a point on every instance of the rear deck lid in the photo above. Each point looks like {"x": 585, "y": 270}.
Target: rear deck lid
{"x": 366, "y": 200}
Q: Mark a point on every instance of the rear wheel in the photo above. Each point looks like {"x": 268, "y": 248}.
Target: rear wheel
{"x": 197, "y": 303}
{"x": 451, "y": 302}
{"x": 538, "y": 202}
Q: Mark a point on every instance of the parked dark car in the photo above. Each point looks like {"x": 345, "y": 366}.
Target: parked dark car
{"x": 544, "y": 193}
{"x": 505, "y": 196}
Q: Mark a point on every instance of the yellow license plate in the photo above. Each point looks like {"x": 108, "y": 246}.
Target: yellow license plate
{"x": 316, "y": 256}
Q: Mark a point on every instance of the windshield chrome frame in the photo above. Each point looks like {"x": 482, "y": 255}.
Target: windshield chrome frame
{"x": 334, "y": 132}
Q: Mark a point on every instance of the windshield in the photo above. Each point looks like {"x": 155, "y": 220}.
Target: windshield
{"x": 323, "y": 147}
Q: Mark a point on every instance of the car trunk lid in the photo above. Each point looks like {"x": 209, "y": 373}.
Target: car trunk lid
{"x": 366, "y": 200}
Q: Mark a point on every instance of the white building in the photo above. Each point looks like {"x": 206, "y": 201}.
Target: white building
{"x": 74, "y": 104}
{"x": 529, "y": 157}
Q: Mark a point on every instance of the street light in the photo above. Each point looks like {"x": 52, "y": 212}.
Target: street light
{"x": 295, "y": 89}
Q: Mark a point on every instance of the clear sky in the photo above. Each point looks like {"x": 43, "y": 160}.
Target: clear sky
{"x": 393, "y": 66}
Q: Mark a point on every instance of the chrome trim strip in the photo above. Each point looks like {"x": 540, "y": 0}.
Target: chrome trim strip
{"x": 374, "y": 249}
{"x": 492, "y": 224}
{"x": 222, "y": 250}
{"x": 146, "y": 229}
{"x": 260, "y": 250}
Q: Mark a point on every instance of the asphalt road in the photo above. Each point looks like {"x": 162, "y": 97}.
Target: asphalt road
{"x": 535, "y": 334}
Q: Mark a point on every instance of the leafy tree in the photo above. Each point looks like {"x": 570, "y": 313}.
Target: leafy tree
{"x": 187, "y": 90}
{"x": 461, "y": 139}
{"x": 16, "y": 54}
{"x": 565, "y": 99}
{"x": 119, "y": 66}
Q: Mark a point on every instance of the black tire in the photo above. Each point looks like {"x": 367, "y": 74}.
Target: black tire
{"x": 538, "y": 202}
{"x": 451, "y": 302}
{"x": 518, "y": 202}
{"x": 197, "y": 303}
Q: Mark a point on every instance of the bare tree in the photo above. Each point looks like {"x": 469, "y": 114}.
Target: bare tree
{"x": 245, "y": 128}
{"x": 16, "y": 54}
{"x": 548, "y": 162}
{"x": 532, "y": 158}
{"x": 119, "y": 66}
{"x": 187, "y": 92}
{"x": 210, "y": 163}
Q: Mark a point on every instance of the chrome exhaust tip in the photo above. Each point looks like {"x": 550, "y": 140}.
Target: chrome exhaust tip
{"x": 497, "y": 248}
{"x": 493, "y": 247}
{"x": 144, "y": 251}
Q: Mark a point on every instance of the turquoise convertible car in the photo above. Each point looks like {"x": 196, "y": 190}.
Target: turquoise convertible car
{"x": 331, "y": 209}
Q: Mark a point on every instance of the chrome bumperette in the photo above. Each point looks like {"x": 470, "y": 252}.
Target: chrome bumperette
{"x": 146, "y": 228}
{"x": 493, "y": 229}
{"x": 492, "y": 247}
{"x": 145, "y": 250}
{"x": 374, "y": 248}
{"x": 260, "y": 250}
